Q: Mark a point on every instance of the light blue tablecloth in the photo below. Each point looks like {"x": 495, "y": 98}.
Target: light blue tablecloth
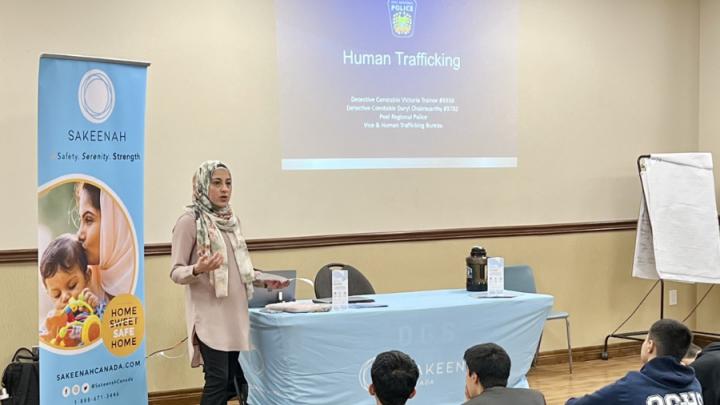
{"x": 325, "y": 358}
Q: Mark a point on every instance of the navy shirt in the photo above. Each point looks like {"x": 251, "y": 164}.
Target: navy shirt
{"x": 707, "y": 370}
{"x": 662, "y": 381}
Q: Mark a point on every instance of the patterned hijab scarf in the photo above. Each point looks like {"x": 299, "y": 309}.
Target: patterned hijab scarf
{"x": 210, "y": 222}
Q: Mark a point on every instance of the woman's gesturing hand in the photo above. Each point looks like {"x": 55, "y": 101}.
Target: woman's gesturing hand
{"x": 208, "y": 263}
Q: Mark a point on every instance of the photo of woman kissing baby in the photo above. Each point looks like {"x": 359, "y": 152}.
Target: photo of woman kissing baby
{"x": 87, "y": 257}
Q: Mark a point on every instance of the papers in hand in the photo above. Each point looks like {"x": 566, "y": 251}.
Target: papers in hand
{"x": 263, "y": 276}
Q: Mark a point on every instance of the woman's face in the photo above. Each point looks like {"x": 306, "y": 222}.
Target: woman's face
{"x": 89, "y": 232}
{"x": 220, "y": 188}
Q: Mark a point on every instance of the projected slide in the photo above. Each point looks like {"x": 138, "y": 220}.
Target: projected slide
{"x": 367, "y": 84}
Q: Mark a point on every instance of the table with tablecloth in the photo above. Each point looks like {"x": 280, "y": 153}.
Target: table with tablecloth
{"x": 325, "y": 358}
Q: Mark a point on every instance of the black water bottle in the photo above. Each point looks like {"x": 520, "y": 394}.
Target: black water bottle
{"x": 476, "y": 269}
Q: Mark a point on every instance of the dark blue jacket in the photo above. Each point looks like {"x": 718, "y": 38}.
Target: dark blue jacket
{"x": 663, "y": 380}
{"x": 707, "y": 370}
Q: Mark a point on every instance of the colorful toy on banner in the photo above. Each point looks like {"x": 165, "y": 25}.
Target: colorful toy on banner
{"x": 77, "y": 324}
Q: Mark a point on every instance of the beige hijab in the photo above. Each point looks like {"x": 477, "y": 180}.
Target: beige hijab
{"x": 210, "y": 221}
{"x": 117, "y": 251}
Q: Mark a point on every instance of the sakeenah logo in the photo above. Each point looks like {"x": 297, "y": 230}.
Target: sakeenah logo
{"x": 96, "y": 96}
{"x": 402, "y": 17}
{"x": 428, "y": 371}
{"x": 364, "y": 375}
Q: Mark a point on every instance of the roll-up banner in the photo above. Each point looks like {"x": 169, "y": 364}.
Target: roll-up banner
{"x": 91, "y": 132}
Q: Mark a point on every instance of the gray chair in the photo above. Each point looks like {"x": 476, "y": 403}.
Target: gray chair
{"x": 357, "y": 283}
{"x": 520, "y": 278}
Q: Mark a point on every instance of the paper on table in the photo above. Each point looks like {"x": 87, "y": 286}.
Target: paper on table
{"x": 496, "y": 276}
{"x": 298, "y": 307}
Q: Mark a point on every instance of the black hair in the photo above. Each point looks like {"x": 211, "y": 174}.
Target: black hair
{"x": 490, "y": 363}
{"x": 394, "y": 375}
{"x": 92, "y": 191}
{"x": 63, "y": 253}
{"x": 671, "y": 338}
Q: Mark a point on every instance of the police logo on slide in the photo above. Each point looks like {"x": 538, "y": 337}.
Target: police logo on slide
{"x": 364, "y": 375}
{"x": 96, "y": 96}
{"x": 402, "y": 17}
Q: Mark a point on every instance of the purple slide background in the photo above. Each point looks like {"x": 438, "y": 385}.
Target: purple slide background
{"x": 315, "y": 85}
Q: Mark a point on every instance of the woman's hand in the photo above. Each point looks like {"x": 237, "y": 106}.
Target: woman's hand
{"x": 271, "y": 282}
{"x": 207, "y": 263}
{"x": 276, "y": 284}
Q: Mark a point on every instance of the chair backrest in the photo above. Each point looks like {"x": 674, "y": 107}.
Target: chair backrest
{"x": 357, "y": 283}
{"x": 520, "y": 278}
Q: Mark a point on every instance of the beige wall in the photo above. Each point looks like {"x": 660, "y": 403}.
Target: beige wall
{"x": 708, "y": 318}
{"x": 601, "y": 81}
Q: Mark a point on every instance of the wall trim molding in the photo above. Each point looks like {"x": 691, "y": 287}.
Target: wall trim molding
{"x": 18, "y": 256}
{"x": 301, "y": 242}
{"x": 588, "y": 353}
{"x": 187, "y": 396}
{"x": 704, "y": 340}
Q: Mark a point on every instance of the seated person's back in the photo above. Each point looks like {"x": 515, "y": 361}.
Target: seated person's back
{"x": 488, "y": 369}
{"x": 707, "y": 370}
{"x": 394, "y": 375}
{"x": 662, "y": 380}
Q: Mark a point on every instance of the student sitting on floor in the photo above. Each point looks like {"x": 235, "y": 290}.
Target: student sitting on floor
{"x": 707, "y": 370}
{"x": 394, "y": 375}
{"x": 488, "y": 369}
{"x": 662, "y": 380}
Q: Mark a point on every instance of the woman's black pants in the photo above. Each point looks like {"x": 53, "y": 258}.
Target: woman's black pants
{"x": 224, "y": 378}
